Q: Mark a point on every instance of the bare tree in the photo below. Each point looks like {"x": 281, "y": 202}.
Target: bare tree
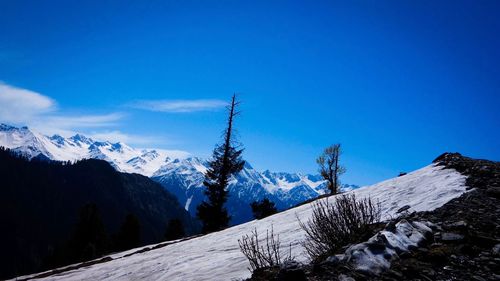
{"x": 330, "y": 168}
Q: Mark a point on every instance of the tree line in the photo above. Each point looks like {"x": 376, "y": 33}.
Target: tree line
{"x": 90, "y": 239}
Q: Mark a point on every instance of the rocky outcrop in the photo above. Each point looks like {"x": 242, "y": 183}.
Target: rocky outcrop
{"x": 481, "y": 174}
{"x": 467, "y": 238}
{"x": 464, "y": 243}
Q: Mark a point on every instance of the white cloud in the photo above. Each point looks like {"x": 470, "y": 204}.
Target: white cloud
{"x": 19, "y": 105}
{"x": 25, "y": 107}
{"x": 176, "y": 106}
{"x": 118, "y": 136}
{"x": 71, "y": 124}
{"x": 83, "y": 121}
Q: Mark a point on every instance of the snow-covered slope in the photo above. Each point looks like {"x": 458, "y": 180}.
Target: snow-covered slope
{"x": 176, "y": 170}
{"x": 217, "y": 256}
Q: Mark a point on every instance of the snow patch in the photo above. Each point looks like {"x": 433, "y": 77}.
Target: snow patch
{"x": 188, "y": 202}
{"x": 375, "y": 255}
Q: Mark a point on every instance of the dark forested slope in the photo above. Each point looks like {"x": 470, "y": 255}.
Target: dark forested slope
{"x": 41, "y": 204}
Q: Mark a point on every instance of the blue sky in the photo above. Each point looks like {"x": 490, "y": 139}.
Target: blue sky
{"x": 396, "y": 82}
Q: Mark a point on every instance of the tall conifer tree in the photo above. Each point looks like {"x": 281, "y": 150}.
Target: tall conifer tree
{"x": 226, "y": 161}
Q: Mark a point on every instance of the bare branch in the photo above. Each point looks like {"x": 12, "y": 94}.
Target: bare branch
{"x": 262, "y": 256}
{"x": 335, "y": 225}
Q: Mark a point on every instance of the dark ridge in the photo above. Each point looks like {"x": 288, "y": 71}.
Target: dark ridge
{"x": 480, "y": 173}
{"x": 41, "y": 203}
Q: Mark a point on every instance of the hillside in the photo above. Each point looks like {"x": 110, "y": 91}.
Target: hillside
{"x": 461, "y": 243}
{"x": 40, "y": 204}
{"x": 217, "y": 256}
{"x": 178, "y": 172}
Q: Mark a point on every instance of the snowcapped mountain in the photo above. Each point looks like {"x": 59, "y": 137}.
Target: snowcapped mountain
{"x": 184, "y": 178}
{"x": 124, "y": 158}
{"x": 177, "y": 171}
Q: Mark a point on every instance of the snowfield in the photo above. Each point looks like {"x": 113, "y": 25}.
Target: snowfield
{"x": 217, "y": 256}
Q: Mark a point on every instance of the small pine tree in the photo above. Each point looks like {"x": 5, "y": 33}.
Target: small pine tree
{"x": 330, "y": 168}
{"x": 129, "y": 235}
{"x": 263, "y": 208}
{"x": 226, "y": 161}
{"x": 175, "y": 230}
{"x": 89, "y": 239}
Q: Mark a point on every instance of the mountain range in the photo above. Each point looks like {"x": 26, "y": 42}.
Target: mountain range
{"x": 177, "y": 171}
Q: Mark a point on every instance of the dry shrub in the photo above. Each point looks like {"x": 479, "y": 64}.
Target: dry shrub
{"x": 335, "y": 225}
{"x": 267, "y": 254}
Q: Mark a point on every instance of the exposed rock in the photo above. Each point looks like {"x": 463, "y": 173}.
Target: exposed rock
{"x": 375, "y": 255}
{"x": 451, "y": 237}
{"x": 291, "y": 271}
{"x": 391, "y": 226}
{"x": 402, "y": 209}
{"x": 461, "y": 225}
{"x": 343, "y": 277}
{"x": 484, "y": 239}
{"x": 496, "y": 250}
{"x": 478, "y": 278}
{"x": 493, "y": 191}
{"x": 334, "y": 259}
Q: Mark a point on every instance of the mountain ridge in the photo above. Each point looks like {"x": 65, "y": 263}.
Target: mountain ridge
{"x": 177, "y": 171}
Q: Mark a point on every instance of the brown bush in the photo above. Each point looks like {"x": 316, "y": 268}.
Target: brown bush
{"x": 263, "y": 256}
{"x": 334, "y": 225}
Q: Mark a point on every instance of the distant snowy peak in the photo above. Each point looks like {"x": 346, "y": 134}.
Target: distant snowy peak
{"x": 184, "y": 177}
{"x": 81, "y": 139}
{"x": 24, "y": 141}
{"x": 14, "y": 137}
{"x": 124, "y": 158}
{"x": 289, "y": 181}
